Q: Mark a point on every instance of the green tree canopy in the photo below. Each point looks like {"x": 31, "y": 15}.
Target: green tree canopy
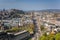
{"x": 44, "y": 38}
{"x": 57, "y": 37}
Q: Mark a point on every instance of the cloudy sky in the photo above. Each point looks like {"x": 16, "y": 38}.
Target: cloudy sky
{"x": 30, "y": 4}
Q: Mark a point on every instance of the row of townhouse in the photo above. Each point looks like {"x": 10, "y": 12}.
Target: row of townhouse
{"x": 15, "y": 22}
{"x": 51, "y": 23}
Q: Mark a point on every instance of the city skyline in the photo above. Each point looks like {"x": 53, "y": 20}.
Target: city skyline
{"x": 30, "y": 4}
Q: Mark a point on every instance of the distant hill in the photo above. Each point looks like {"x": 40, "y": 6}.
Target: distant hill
{"x": 50, "y": 10}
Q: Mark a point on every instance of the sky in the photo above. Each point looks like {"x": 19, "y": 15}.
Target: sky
{"x": 30, "y": 4}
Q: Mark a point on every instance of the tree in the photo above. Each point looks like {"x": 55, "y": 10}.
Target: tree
{"x": 47, "y": 37}
{"x": 57, "y": 37}
{"x": 42, "y": 27}
{"x": 44, "y": 38}
{"x": 51, "y": 37}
